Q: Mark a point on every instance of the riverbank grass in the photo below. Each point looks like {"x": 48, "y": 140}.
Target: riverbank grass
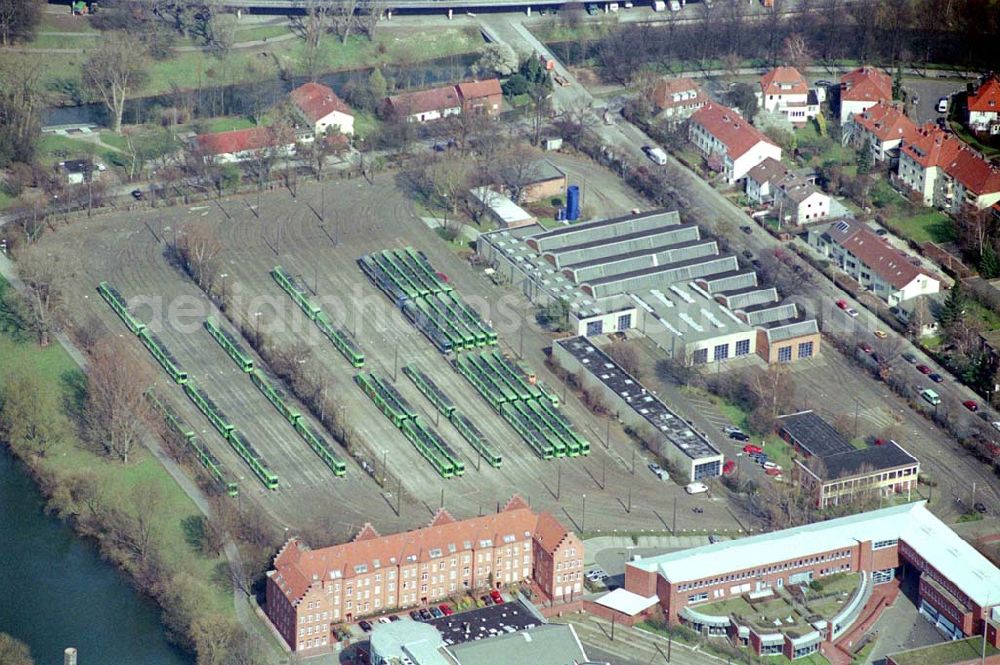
{"x": 206, "y": 592}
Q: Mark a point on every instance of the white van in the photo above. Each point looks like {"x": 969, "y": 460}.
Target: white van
{"x": 696, "y": 488}
{"x": 942, "y": 105}
{"x": 930, "y": 396}
{"x": 656, "y": 154}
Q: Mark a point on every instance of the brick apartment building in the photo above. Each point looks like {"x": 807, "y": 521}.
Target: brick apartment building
{"x": 309, "y": 591}
{"x": 957, "y": 585}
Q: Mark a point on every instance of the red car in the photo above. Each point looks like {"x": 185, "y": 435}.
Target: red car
{"x": 866, "y": 347}
{"x": 497, "y": 598}
{"x": 446, "y": 610}
{"x": 773, "y": 471}
{"x": 728, "y": 467}
{"x": 970, "y": 405}
{"x": 751, "y": 449}
{"x": 880, "y": 441}
{"x": 842, "y": 304}
{"x": 924, "y": 369}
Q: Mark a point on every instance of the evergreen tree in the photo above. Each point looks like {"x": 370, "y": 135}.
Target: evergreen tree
{"x": 954, "y": 306}
{"x": 864, "y": 159}
{"x": 897, "y": 82}
{"x": 989, "y": 263}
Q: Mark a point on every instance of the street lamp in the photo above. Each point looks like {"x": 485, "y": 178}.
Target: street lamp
{"x": 257, "y": 333}
{"x": 223, "y": 276}
{"x": 583, "y": 520}
{"x": 385, "y": 455}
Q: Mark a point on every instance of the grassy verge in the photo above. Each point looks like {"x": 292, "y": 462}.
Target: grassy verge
{"x": 188, "y": 577}
{"x": 933, "y": 226}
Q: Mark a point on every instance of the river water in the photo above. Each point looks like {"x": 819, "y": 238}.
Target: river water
{"x": 58, "y": 592}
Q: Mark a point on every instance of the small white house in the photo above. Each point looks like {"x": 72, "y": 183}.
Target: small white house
{"x": 241, "y": 145}
{"x": 862, "y": 89}
{"x": 784, "y": 90}
{"x": 324, "y": 110}
{"x": 426, "y": 105}
{"x": 798, "y": 201}
{"x": 984, "y": 106}
{"x": 720, "y": 133}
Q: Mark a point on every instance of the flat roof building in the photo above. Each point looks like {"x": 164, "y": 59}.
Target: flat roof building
{"x": 671, "y": 436}
{"x": 649, "y": 271}
{"x": 835, "y": 470}
{"x": 958, "y": 586}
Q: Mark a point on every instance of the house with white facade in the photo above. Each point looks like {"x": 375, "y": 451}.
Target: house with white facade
{"x": 759, "y": 188}
{"x": 784, "y": 90}
{"x": 862, "y": 89}
{"x": 677, "y": 99}
{"x": 984, "y": 106}
{"x": 799, "y": 201}
{"x": 890, "y": 273}
{"x": 722, "y": 134}
{"x": 947, "y": 173}
{"x": 241, "y": 145}
{"x": 323, "y": 109}
{"x": 884, "y": 128}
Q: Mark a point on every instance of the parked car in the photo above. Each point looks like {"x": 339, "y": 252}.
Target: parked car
{"x": 935, "y": 377}
{"x": 746, "y": 229}
{"x": 773, "y": 471}
{"x": 713, "y": 539}
{"x": 822, "y": 83}
{"x": 446, "y": 610}
{"x": 942, "y": 105}
{"x": 728, "y": 467}
{"x": 425, "y": 615}
{"x": 486, "y": 599}
{"x": 415, "y": 615}
{"x": 979, "y": 507}
{"x": 970, "y": 405}
{"x": 910, "y": 358}
{"x": 851, "y": 312}
{"x": 879, "y": 441}
{"x": 756, "y": 264}
{"x": 924, "y": 369}
{"x": 881, "y": 232}
{"x": 842, "y": 304}
{"x": 752, "y": 449}
{"x": 393, "y": 617}
{"x": 729, "y": 429}
{"x": 881, "y": 334}
{"x": 497, "y": 598}
{"x": 866, "y": 347}
{"x": 658, "y": 471}
{"x": 384, "y": 620}
{"x": 592, "y": 10}
{"x": 137, "y": 194}
{"x": 738, "y": 436}
{"x": 365, "y": 626}
{"x": 996, "y": 425}
{"x": 747, "y": 254}
{"x": 771, "y": 465}
{"x": 435, "y": 612}
{"x": 655, "y": 154}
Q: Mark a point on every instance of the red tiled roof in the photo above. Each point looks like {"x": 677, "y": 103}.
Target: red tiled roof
{"x": 479, "y": 89}
{"x": 987, "y": 98}
{"x": 664, "y": 91}
{"x": 784, "y": 81}
{"x": 317, "y": 101}
{"x": 297, "y": 567}
{"x": 423, "y": 101}
{"x": 930, "y": 146}
{"x": 886, "y": 261}
{"x": 865, "y": 84}
{"x": 974, "y": 172}
{"x": 238, "y": 140}
{"x": 730, "y": 128}
{"x": 887, "y": 122}
{"x": 549, "y": 532}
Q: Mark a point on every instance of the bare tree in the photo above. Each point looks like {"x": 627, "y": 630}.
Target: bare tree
{"x": 625, "y": 354}
{"x": 198, "y": 248}
{"x": 796, "y": 51}
{"x": 515, "y": 168}
{"x": 113, "y": 69}
{"x": 343, "y": 18}
{"x": 369, "y": 14}
{"x": 43, "y": 298}
{"x": 312, "y": 27}
{"x": 117, "y": 409}
{"x": 887, "y": 349}
{"x": 27, "y": 413}
{"x": 774, "y": 389}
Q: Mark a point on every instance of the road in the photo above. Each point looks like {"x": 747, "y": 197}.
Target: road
{"x": 709, "y": 208}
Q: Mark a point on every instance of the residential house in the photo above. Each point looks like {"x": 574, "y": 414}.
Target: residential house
{"x": 884, "y": 128}
{"x": 760, "y": 177}
{"x": 984, "y": 106}
{"x": 784, "y": 91}
{"x": 722, "y": 134}
{"x": 834, "y": 470}
{"x": 876, "y": 265}
{"x": 677, "y": 99}
{"x": 426, "y": 105}
{"x": 243, "y": 144}
{"x": 480, "y": 96}
{"x": 310, "y": 591}
{"x": 323, "y": 109}
{"x": 948, "y": 173}
{"x": 862, "y": 89}
{"x": 799, "y": 201}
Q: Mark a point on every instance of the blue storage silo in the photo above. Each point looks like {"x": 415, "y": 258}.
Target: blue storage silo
{"x": 573, "y": 203}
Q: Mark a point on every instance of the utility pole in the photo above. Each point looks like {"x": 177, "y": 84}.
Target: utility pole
{"x": 607, "y": 435}
{"x": 399, "y": 494}
{"x": 395, "y": 362}
{"x": 583, "y": 520}
{"x": 629, "y": 509}
{"x": 604, "y": 472}
{"x": 673, "y": 529}
{"x": 442, "y": 497}
{"x": 558, "y": 480}
{"x": 633, "y": 461}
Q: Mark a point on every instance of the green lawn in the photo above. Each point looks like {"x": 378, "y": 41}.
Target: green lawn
{"x": 932, "y": 225}
{"x": 227, "y": 124}
{"x": 365, "y": 123}
{"x": 823, "y": 148}
{"x": 54, "y": 369}
{"x": 258, "y": 33}
{"x": 945, "y": 653}
{"x": 6, "y": 200}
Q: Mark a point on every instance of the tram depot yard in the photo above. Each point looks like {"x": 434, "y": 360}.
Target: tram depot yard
{"x": 465, "y": 428}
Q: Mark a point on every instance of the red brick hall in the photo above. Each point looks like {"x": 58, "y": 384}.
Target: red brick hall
{"x": 310, "y": 591}
{"x": 957, "y": 586}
